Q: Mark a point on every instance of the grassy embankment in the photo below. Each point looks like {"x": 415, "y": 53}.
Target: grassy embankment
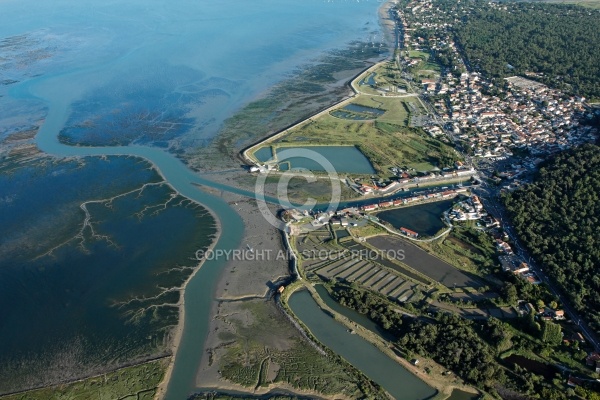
{"x": 387, "y": 140}
{"x": 386, "y": 77}
{"x": 385, "y": 144}
{"x": 465, "y": 249}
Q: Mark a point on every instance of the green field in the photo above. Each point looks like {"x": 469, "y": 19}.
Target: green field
{"x": 397, "y": 110}
{"x": 387, "y": 77}
{"x": 385, "y": 144}
{"x": 427, "y": 67}
{"x": 418, "y": 53}
{"x": 367, "y": 230}
{"x": 391, "y": 139}
{"x": 466, "y": 249}
{"x": 388, "y": 140}
{"x": 138, "y": 382}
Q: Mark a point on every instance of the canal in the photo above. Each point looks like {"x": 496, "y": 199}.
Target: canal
{"x": 376, "y": 365}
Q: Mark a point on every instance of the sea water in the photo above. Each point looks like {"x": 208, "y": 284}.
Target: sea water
{"x": 166, "y": 72}
{"x": 122, "y": 73}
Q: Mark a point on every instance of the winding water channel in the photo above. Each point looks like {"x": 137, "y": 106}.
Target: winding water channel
{"x": 199, "y": 291}
{"x": 198, "y": 294}
{"x": 58, "y": 94}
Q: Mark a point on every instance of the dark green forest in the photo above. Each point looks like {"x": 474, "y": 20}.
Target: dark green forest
{"x": 557, "y": 218}
{"x": 559, "y": 44}
{"x": 562, "y": 42}
{"x": 468, "y": 349}
{"x": 451, "y": 341}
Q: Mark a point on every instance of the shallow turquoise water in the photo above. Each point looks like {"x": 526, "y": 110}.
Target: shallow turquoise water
{"x": 263, "y": 154}
{"x": 138, "y": 72}
{"x": 130, "y": 74}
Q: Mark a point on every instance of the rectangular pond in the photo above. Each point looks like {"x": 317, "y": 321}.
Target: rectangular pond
{"x": 426, "y": 219}
{"x": 458, "y": 394}
{"x": 264, "y": 154}
{"x": 345, "y": 159}
{"x": 427, "y": 264}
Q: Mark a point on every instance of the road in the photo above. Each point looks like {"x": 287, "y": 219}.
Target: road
{"x": 489, "y": 197}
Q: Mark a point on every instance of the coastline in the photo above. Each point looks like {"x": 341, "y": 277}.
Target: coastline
{"x": 178, "y": 330}
{"x": 46, "y": 140}
{"x": 388, "y": 32}
{"x": 247, "y": 155}
{"x": 209, "y": 379}
{"x": 443, "y": 387}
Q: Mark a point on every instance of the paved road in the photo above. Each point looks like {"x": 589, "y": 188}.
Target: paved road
{"x": 489, "y": 198}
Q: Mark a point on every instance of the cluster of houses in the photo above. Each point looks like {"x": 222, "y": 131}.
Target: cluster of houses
{"x": 535, "y": 117}
{"x": 468, "y": 210}
{"x": 529, "y": 114}
{"x": 405, "y": 179}
{"x": 341, "y": 217}
{"x": 504, "y": 247}
{"x": 519, "y": 268}
{"x": 544, "y": 313}
{"x": 438, "y": 195}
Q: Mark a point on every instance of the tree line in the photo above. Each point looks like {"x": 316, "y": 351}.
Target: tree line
{"x": 559, "y": 44}
{"x": 562, "y": 42}
{"x": 470, "y": 349}
{"x": 557, "y": 217}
